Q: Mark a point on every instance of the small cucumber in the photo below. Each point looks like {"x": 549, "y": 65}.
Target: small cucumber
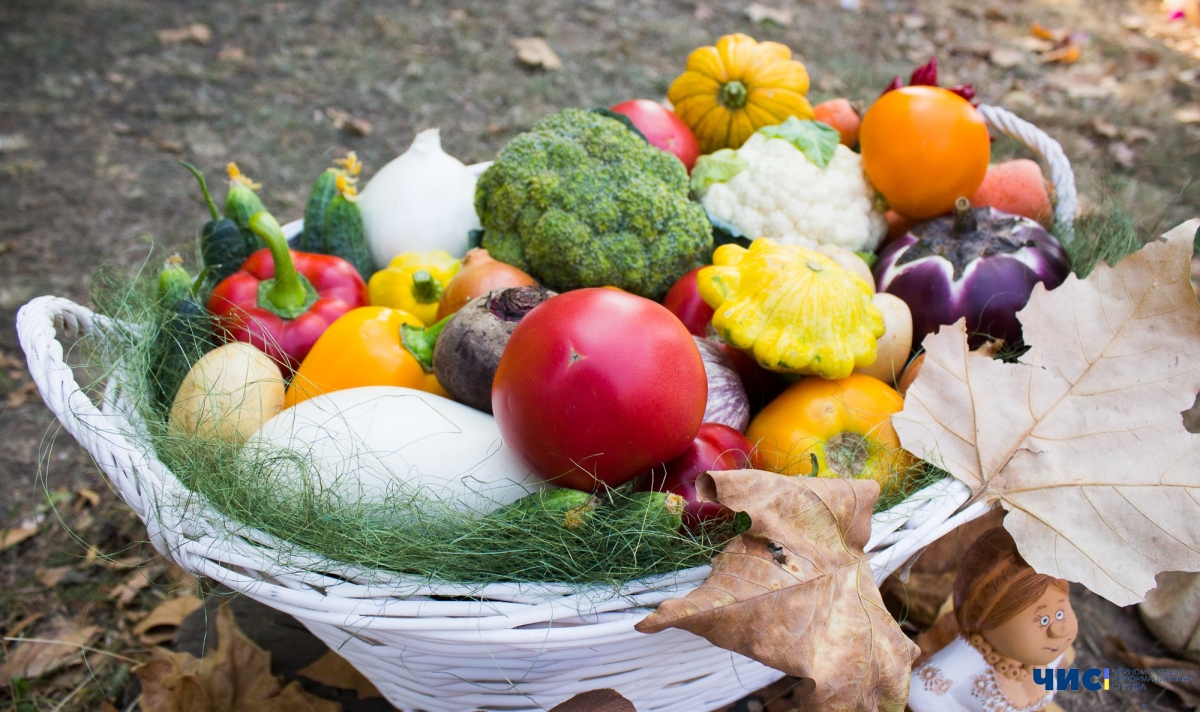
{"x": 345, "y": 235}
{"x": 653, "y": 513}
{"x": 570, "y": 508}
{"x": 323, "y": 191}
{"x": 242, "y": 203}
{"x": 223, "y": 247}
{"x": 186, "y": 334}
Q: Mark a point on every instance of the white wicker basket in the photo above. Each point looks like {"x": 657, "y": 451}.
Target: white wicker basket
{"x": 458, "y": 648}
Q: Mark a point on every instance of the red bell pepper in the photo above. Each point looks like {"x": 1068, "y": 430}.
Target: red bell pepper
{"x": 281, "y": 301}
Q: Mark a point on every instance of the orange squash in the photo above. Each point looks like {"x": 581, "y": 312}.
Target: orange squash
{"x": 731, "y": 90}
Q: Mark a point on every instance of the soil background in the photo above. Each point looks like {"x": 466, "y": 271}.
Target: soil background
{"x": 97, "y": 106}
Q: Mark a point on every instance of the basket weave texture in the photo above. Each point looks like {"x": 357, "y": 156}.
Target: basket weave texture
{"x": 453, "y": 647}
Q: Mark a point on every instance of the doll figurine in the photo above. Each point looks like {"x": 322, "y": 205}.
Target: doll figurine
{"x": 1011, "y": 620}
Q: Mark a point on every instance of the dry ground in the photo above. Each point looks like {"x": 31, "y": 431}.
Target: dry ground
{"x": 95, "y": 110}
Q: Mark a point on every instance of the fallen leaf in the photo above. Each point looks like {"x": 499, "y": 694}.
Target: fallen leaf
{"x": 605, "y": 700}
{"x": 1068, "y": 54}
{"x": 106, "y": 706}
{"x": 1188, "y": 115}
{"x": 196, "y": 32}
{"x": 702, "y": 12}
{"x": 344, "y": 121}
{"x": 52, "y": 576}
{"x": 535, "y": 52}
{"x": 160, "y": 626}
{"x": 795, "y": 591}
{"x": 86, "y": 497}
{"x": 124, "y": 592}
{"x": 50, "y": 650}
{"x": 914, "y": 22}
{"x": 237, "y": 676}
{"x": 332, "y": 669}
{"x": 13, "y": 142}
{"x": 1122, "y": 154}
{"x": 759, "y": 13}
{"x": 231, "y": 53}
{"x": 995, "y": 14}
{"x": 1033, "y": 44}
{"x": 23, "y": 624}
{"x": 1045, "y": 33}
{"x": 1081, "y": 441}
{"x": 1133, "y": 22}
{"x": 1006, "y": 57}
{"x": 1105, "y": 128}
{"x": 25, "y": 528}
{"x": 18, "y": 398}
{"x": 1179, "y": 676}
{"x": 1134, "y": 134}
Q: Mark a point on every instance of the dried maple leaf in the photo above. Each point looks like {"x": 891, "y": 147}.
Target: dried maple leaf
{"x": 795, "y": 591}
{"x": 160, "y": 626}
{"x": 237, "y": 676}
{"x": 59, "y": 646}
{"x": 1082, "y": 441}
{"x": 333, "y": 670}
{"x": 536, "y": 52}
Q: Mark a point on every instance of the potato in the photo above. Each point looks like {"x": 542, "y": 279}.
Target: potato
{"x": 229, "y": 393}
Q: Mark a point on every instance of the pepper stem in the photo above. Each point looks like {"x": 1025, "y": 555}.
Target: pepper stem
{"x": 964, "y": 217}
{"x": 733, "y": 94}
{"x": 420, "y": 341}
{"x": 426, "y": 289}
{"x": 288, "y": 292}
{"x": 212, "y": 207}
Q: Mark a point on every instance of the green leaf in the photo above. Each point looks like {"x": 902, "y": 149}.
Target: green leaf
{"x": 717, "y": 167}
{"x": 869, "y": 257}
{"x": 817, "y": 141}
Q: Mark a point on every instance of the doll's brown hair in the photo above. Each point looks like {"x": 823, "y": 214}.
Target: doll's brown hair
{"x": 994, "y": 583}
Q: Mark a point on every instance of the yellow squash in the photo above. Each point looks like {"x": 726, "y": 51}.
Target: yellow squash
{"x": 735, "y": 88}
{"x": 362, "y": 348}
{"x": 794, "y": 309}
{"x": 414, "y": 282}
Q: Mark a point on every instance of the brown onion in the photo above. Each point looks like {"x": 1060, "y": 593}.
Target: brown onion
{"x": 479, "y": 275}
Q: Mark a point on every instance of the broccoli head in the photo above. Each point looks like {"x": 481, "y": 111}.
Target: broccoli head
{"x": 582, "y": 201}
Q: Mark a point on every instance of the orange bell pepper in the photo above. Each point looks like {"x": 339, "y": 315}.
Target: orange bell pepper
{"x": 845, "y": 424}
{"x": 361, "y": 348}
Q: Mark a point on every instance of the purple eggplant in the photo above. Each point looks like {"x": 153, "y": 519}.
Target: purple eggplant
{"x": 979, "y": 263}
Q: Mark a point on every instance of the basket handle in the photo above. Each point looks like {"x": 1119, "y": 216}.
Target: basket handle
{"x": 38, "y": 325}
{"x": 1048, "y": 150}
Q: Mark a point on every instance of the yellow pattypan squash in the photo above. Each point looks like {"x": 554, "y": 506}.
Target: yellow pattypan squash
{"x": 735, "y": 88}
{"x": 413, "y": 282}
{"x": 794, "y": 309}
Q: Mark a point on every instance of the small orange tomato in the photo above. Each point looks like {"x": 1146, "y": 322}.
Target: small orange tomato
{"x": 846, "y": 424}
{"x": 361, "y": 348}
{"x": 923, "y": 148}
{"x": 840, "y": 114}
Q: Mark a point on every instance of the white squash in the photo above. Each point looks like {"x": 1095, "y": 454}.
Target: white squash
{"x": 229, "y": 392}
{"x": 367, "y": 442}
{"x": 423, "y": 200}
{"x": 896, "y": 343}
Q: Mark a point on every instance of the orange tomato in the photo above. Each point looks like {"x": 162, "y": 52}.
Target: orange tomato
{"x": 846, "y": 424}
{"x": 361, "y": 348}
{"x": 840, "y": 114}
{"x": 923, "y": 148}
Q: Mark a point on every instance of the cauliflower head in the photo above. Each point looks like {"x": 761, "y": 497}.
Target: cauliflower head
{"x": 783, "y": 195}
{"x": 582, "y": 201}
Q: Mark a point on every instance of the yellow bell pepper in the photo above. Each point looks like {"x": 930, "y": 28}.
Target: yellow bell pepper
{"x": 414, "y": 282}
{"x": 845, "y": 425}
{"x": 794, "y": 309}
{"x": 362, "y": 348}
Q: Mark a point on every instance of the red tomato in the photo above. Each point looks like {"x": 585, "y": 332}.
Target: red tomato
{"x": 663, "y": 128}
{"x": 597, "y": 386}
{"x": 685, "y": 303}
{"x": 716, "y": 447}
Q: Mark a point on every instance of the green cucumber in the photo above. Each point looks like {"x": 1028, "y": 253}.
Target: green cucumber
{"x": 323, "y": 192}
{"x": 185, "y": 334}
{"x": 345, "y": 235}
{"x": 570, "y": 508}
{"x": 655, "y": 514}
{"x": 223, "y": 246}
{"x": 242, "y": 203}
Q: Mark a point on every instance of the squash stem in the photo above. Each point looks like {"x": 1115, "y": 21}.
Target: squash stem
{"x": 421, "y": 340}
{"x": 426, "y": 289}
{"x": 287, "y": 292}
{"x": 733, "y": 94}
